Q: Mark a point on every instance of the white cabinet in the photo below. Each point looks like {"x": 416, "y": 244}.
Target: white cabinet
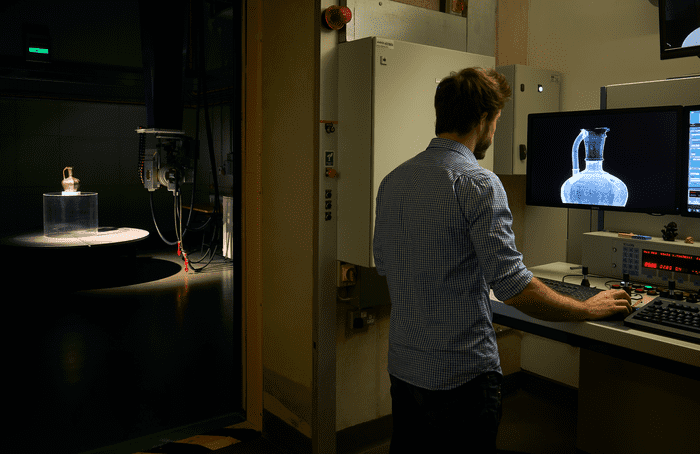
{"x": 534, "y": 91}
{"x": 386, "y": 115}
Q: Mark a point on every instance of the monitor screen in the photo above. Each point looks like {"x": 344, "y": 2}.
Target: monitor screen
{"x": 616, "y": 159}
{"x": 679, "y": 28}
{"x": 691, "y": 117}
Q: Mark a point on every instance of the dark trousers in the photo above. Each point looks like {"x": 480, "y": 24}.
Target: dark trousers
{"x": 460, "y": 420}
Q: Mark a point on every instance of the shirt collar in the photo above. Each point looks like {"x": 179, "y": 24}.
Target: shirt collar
{"x": 451, "y": 145}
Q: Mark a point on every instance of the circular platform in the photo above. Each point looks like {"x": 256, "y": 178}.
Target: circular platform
{"x": 106, "y": 236}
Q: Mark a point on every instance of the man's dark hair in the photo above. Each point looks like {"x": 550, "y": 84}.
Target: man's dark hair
{"x": 463, "y": 98}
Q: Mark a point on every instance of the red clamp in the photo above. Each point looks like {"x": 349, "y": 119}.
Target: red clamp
{"x": 181, "y": 252}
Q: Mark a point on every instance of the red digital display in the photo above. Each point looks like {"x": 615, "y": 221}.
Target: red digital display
{"x": 669, "y": 261}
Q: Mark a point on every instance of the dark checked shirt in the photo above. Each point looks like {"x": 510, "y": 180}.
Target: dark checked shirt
{"x": 442, "y": 237}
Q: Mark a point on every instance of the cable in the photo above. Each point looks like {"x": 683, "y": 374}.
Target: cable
{"x": 214, "y": 238}
{"x": 176, "y": 212}
{"x": 204, "y": 256}
{"x": 178, "y": 227}
{"x": 196, "y": 161}
{"x": 153, "y": 215}
{"x": 177, "y": 202}
{"x": 196, "y": 229}
{"x": 207, "y": 122}
{"x": 197, "y": 270}
{"x": 142, "y": 154}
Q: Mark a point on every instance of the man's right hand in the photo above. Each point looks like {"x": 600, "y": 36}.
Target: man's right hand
{"x": 608, "y": 303}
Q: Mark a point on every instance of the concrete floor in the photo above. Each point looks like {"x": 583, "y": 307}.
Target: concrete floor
{"x": 539, "y": 417}
{"x": 108, "y": 346}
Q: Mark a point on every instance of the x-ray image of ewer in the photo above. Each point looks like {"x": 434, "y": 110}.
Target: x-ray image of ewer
{"x": 593, "y": 185}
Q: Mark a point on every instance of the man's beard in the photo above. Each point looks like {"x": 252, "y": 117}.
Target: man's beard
{"x": 482, "y": 144}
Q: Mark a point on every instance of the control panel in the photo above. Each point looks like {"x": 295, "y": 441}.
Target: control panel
{"x": 652, "y": 261}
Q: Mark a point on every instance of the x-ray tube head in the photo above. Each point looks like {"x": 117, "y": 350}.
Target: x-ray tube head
{"x": 166, "y": 158}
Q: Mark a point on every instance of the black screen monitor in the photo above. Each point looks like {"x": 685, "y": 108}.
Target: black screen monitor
{"x": 627, "y": 160}
{"x": 691, "y": 119}
{"x": 679, "y": 28}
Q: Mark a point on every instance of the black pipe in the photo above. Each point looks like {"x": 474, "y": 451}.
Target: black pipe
{"x": 163, "y": 51}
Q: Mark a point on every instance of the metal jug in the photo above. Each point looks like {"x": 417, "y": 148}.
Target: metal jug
{"x": 70, "y": 183}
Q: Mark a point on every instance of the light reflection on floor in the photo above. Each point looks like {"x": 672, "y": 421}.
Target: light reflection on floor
{"x": 116, "y": 348}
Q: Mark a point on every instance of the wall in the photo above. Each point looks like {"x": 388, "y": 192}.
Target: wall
{"x": 604, "y": 43}
{"x": 511, "y": 49}
{"x": 289, "y": 214}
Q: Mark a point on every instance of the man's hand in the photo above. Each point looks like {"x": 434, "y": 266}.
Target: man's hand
{"x": 608, "y": 303}
{"x": 539, "y": 301}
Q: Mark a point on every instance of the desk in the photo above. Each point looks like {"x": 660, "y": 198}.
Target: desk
{"x": 638, "y": 392}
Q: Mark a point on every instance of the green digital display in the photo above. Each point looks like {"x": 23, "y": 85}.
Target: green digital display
{"x": 38, "y": 50}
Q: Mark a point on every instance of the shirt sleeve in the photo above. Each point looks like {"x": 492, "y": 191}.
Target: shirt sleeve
{"x": 485, "y": 206}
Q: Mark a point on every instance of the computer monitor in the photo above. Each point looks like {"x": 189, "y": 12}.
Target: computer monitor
{"x": 679, "y": 28}
{"x": 614, "y": 159}
{"x": 691, "y": 118}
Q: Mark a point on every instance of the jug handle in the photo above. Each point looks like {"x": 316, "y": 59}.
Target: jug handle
{"x": 64, "y": 172}
{"x": 574, "y": 151}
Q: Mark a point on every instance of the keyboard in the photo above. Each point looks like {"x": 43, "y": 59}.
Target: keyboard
{"x": 672, "y": 318}
{"x": 575, "y": 291}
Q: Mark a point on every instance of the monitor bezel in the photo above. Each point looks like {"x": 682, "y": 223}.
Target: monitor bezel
{"x": 676, "y": 52}
{"x": 680, "y": 189}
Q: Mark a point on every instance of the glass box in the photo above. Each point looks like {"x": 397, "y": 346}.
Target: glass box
{"x": 70, "y": 214}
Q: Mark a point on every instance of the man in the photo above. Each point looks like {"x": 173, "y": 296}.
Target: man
{"x": 442, "y": 238}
